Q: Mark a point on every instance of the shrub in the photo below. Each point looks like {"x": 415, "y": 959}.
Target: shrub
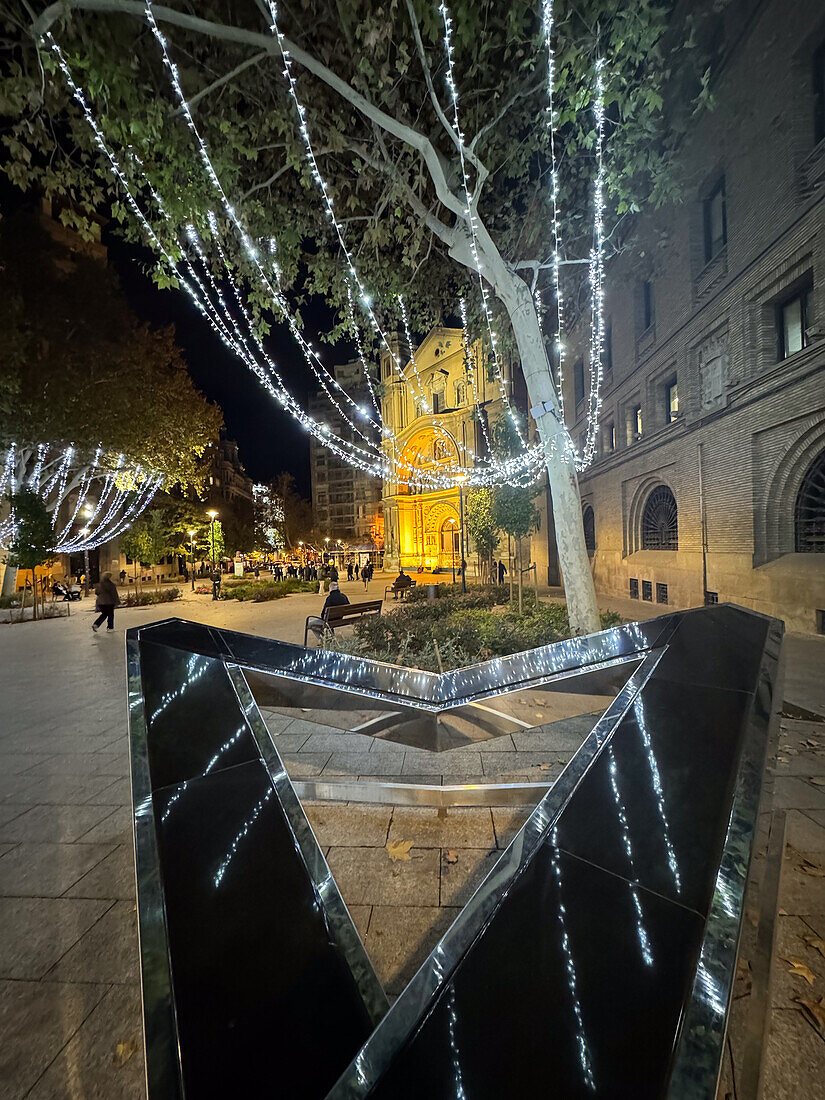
{"x": 9, "y": 601}
{"x": 149, "y": 597}
{"x": 260, "y": 591}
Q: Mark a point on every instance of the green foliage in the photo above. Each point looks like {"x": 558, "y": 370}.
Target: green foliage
{"x": 78, "y": 367}
{"x": 263, "y": 591}
{"x": 480, "y": 520}
{"x": 134, "y": 543}
{"x": 33, "y": 533}
{"x": 454, "y": 630}
{"x": 514, "y": 510}
{"x": 249, "y": 125}
{"x": 150, "y": 596}
{"x": 214, "y": 541}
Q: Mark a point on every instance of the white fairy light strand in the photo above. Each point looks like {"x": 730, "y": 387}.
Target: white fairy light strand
{"x": 596, "y": 270}
{"x": 471, "y": 218}
{"x": 471, "y": 372}
{"x": 547, "y": 20}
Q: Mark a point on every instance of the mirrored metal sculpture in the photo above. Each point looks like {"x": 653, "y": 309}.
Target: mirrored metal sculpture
{"x": 599, "y": 953}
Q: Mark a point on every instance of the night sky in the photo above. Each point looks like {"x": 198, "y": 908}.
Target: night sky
{"x": 268, "y": 439}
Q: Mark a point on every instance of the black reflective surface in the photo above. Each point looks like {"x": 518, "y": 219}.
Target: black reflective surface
{"x": 596, "y": 959}
{"x": 235, "y": 881}
{"x": 576, "y": 989}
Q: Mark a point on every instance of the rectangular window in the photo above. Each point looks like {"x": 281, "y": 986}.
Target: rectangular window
{"x": 661, "y": 593}
{"x": 716, "y": 221}
{"x": 791, "y": 323}
{"x": 460, "y": 394}
{"x": 648, "y": 313}
{"x": 578, "y": 382}
{"x": 671, "y": 401}
{"x": 819, "y": 94}
{"x": 438, "y": 401}
{"x": 647, "y": 591}
{"x": 636, "y": 421}
{"x": 609, "y": 438}
{"x": 634, "y": 588}
{"x": 711, "y": 597}
{"x": 607, "y": 358}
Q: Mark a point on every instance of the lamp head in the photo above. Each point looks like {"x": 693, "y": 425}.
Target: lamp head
{"x": 212, "y": 514}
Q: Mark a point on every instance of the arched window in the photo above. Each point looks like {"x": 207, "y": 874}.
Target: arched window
{"x": 589, "y": 521}
{"x": 809, "y": 514}
{"x": 659, "y": 521}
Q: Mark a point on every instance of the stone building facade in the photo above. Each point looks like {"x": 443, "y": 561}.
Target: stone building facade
{"x": 346, "y": 501}
{"x": 709, "y": 482}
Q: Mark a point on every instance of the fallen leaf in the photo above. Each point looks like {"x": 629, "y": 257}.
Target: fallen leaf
{"x": 816, "y": 943}
{"x": 399, "y": 849}
{"x": 124, "y": 1051}
{"x": 451, "y": 856}
{"x": 782, "y": 912}
{"x": 814, "y": 1012}
{"x": 808, "y": 867}
{"x": 799, "y": 969}
{"x": 818, "y": 781}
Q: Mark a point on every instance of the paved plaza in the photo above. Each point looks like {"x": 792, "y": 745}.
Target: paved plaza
{"x": 69, "y": 993}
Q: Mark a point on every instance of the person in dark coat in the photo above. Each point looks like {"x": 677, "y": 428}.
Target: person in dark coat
{"x": 107, "y": 601}
{"x": 400, "y": 584}
{"x": 335, "y": 598}
{"x": 502, "y": 569}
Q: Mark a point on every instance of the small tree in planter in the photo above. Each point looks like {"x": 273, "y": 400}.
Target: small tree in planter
{"x": 134, "y": 545}
{"x": 480, "y": 521}
{"x": 33, "y": 538}
{"x": 516, "y": 514}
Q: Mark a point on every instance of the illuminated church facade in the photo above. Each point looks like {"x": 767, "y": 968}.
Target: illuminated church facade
{"x": 434, "y": 431}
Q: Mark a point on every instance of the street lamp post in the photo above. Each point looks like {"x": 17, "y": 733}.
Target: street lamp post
{"x": 192, "y": 551}
{"x": 452, "y": 540}
{"x": 212, "y": 518}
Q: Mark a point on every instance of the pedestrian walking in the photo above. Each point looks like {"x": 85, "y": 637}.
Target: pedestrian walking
{"x": 106, "y": 602}
{"x": 501, "y": 572}
{"x": 349, "y": 570}
{"x": 357, "y": 571}
{"x": 366, "y": 574}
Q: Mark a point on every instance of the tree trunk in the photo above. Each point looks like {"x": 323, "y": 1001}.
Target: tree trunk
{"x": 510, "y": 565}
{"x": 579, "y": 590}
{"x": 520, "y": 579}
{"x": 34, "y": 597}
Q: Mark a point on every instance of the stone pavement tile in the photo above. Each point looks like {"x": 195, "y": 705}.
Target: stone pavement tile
{"x": 116, "y": 827}
{"x": 564, "y": 736}
{"x": 804, "y": 832}
{"x": 47, "y": 870}
{"x": 795, "y": 1057}
{"x": 107, "y": 953}
{"x": 36, "y": 1020}
{"x": 502, "y": 763}
{"x": 427, "y": 827}
{"x": 452, "y": 762}
{"x": 118, "y": 793}
{"x": 340, "y": 741}
{"x": 13, "y": 763}
{"x": 60, "y": 790}
{"x": 6, "y": 847}
{"x": 289, "y": 742}
{"x": 460, "y": 879}
{"x": 790, "y": 942}
{"x": 12, "y": 785}
{"x": 104, "y": 1059}
{"x": 113, "y": 877}
{"x": 791, "y": 792}
{"x": 349, "y": 824}
{"x": 360, "y": 918}
{"x": 276, "y": 723}
{"x": 401, "y": 937}
{"x": 379, "y": 744}
{"x": 58, "y": 824}
{"x": 8, "y": 812}
{"x": 305, "y": 766}
{"x": 36, "y": 932}
{"x": 302, "y": 725}
{"x": 801, "y": 893}
{"x": 363, "y": 763}
{"x": 507, "y": 823}
{"x": 368, "y": 876}
{"x": 504, "y": 743}
{"x": 82, "y": 763}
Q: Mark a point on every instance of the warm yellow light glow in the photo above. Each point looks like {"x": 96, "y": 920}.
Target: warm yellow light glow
{"x": 212, "y": 515}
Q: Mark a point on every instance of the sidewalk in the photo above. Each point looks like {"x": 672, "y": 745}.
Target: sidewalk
{"x": 69, "y": 993}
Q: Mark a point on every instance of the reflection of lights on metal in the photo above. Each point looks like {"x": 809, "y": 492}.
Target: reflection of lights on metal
{"x": 656, "y": 781}
{"x": 581, "y": 1039}
{"x": 233, "y": 847}
{"x": 644, "y": 943}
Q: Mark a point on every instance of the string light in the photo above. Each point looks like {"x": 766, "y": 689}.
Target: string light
{"x": 547, "y": 20}
{"x": 471, "y": 219}
{"x": 596, "y": 270}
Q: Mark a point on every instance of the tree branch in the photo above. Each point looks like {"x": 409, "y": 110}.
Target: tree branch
{"x": 494, "y": 121}
{"x": 269, "y": 44}
{"x": 277, "y": 175}
{"x": 250, "y": 61}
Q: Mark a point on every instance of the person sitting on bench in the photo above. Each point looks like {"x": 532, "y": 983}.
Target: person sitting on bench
{"x": 335, "y": 598}
{"x": 401, "y": 582}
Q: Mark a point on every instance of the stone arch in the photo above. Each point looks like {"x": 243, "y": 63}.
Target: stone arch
{"x": 428, "y": 449}
{"x": 774, "y": 524}
{"x": 638, "y": 505}
{"x": 809, "y": 509}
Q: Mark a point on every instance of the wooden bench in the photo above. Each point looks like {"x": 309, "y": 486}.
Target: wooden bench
{"x": 339, "y": 615}
{"x": 402, "y": 592}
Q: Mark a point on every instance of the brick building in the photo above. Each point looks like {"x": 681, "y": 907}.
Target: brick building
{"x": 710, "y": 476}
{"x": 346, "y": 501}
